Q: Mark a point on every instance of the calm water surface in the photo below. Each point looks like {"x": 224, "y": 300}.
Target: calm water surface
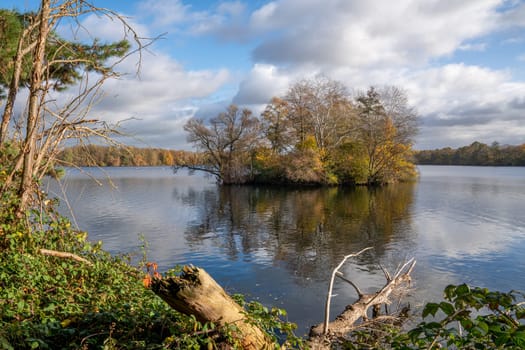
{"x": 278, "y": 245}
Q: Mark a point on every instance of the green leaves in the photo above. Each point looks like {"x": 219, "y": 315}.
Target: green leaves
{"x": 430, "y": 309}
{"x": 488, "y": 319}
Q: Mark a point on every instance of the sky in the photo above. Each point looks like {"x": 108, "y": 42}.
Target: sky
{"x": 461, "y": 62}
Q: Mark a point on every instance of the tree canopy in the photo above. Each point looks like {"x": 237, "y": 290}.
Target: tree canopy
{"x": 64, "y": 57}
{"x": 315, "y": 134}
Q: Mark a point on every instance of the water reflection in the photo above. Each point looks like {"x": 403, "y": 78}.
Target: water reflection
{"x": 306, "y": 230}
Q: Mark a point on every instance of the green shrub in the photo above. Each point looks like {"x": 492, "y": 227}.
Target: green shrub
{"x": 470, "y": 318}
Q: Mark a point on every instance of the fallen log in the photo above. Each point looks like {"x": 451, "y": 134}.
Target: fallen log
{"x": 196, "y": 293}
{"x": 324, "y": 334}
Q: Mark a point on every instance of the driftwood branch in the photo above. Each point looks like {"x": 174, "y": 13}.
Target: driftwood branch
{"x": 331, "y": 286}
{"x": 65, "y": 255}
{"x": 357, "y": 290}
{"x": 196, "y": 293}
{"x": 322, "y": 335}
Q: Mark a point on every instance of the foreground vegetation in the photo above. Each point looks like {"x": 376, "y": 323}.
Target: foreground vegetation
{"x": 62, "y": 302}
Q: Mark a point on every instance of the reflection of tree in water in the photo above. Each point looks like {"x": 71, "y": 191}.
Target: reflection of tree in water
{"x": 308, "y": 230}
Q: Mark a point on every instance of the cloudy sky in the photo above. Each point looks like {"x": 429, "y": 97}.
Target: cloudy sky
{"x": 462, "y": 62}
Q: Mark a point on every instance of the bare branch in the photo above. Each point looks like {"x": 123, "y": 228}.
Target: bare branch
{"x": 358, "y": 291}
{"x": 323, "y": 334}
{"x": 386, "y": 273}
{"x": 65, "y": 255}
{"x": 331, "y": 286}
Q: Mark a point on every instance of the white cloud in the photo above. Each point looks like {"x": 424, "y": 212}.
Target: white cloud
{"x": 262, "y": 18}
{"x": 515, "y": 16}
{"x": 234, "y": 8}
{"x": 262, "y": 83}
{"x": 165, "y": 12}
{"x": 356, "y": 42}
{"x": 161, "y": 81}
{"x": 376, "y": 43}
{"x": 449, "y": 86}
{"x": 473, "y": 47}
{"x": 364, "y": 34}
{"x": 161, "y": 99}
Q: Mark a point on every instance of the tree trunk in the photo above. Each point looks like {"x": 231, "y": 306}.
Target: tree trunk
{"x": 15, "y": 82}
{"x": 196, "y": 293}
{"x": 13, "y": 90}
{"x": 35, "y": 100}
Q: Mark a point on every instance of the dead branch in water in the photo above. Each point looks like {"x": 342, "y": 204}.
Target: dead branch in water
{"x": 322, "y": 335}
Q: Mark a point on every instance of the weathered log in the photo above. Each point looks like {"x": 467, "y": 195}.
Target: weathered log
{"x": 196, "y": 293}
{"x": 321, "y": 335}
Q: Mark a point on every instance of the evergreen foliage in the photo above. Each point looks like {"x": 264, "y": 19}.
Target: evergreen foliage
{"x": 65, "y": 58}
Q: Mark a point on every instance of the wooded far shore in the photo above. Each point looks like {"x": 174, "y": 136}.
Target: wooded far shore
{"x": 474, "y": 154}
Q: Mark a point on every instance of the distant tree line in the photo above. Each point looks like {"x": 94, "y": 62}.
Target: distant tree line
{"x": 475, "y": 154}
{"x": 315, "y": 134}
{"x": 97, "y": 155}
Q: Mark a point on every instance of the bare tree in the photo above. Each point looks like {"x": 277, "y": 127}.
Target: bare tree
{"x": 321, "y": 107}
{"x": 404, "y": 116}
{"x": 50, "y": 120}
{"x": 227, "y": 144}
{"x": 277, "y": 126}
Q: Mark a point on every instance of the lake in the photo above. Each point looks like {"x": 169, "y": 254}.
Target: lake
{"x": 278, "y": 245}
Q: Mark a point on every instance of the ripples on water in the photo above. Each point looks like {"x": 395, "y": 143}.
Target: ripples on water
{"x": 278, "y": 245}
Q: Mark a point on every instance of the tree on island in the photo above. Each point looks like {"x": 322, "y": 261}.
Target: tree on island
{"x": 314, "y": 134}
{"x": 227, "y": 145}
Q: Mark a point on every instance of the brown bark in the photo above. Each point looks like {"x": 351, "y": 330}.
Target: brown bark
{"x": 35, "y": 96}
{"x": 196, "y": 293}
{"x": 21, "y": 52}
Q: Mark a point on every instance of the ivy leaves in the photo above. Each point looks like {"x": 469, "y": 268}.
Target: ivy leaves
{"x": 472, "y": 317}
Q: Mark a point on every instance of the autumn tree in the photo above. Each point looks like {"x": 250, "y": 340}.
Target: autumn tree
{"x": 314, "y": 134}
{"x": 307, "y": 126}
{"x": 386, "y": 126}
{"x": 228, "y": 143}
{"x": 277, "y": 126}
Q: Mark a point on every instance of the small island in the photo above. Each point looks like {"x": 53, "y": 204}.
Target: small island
{"x": 314, "y": 135}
